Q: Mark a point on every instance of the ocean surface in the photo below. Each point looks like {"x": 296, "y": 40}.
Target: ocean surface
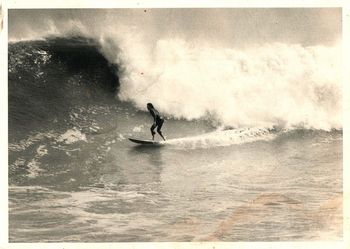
{"x": 75, "y": 177}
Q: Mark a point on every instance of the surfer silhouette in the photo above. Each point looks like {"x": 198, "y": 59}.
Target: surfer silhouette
{"x": 158, "y": 120}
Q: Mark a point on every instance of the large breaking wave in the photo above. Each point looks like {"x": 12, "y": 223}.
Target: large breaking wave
{"x": 271, "y": 85}
{"x": 266, "y": 85}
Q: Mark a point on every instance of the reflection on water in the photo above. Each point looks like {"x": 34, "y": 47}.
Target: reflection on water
{"x": 153, "y": 153}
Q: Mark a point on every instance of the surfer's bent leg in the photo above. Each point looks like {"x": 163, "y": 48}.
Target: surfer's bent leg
{"x": 152, "y": 130}
{"x": 160, "y": 124}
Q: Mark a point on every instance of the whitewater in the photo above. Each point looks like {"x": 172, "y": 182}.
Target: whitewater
{"x": 254, "y": 133}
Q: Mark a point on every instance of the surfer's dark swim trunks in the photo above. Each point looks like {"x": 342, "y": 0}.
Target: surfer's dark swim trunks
{"x": 159, "y": 123}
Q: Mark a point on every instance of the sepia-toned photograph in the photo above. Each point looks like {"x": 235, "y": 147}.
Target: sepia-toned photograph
{"x": 175, "y": 125}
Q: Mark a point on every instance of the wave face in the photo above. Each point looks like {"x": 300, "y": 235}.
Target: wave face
{"x": 265, "y": 84}
{"x": 47, "y": 79}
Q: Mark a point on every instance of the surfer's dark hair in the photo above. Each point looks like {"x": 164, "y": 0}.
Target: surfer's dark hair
{"x": 150, "y": 105}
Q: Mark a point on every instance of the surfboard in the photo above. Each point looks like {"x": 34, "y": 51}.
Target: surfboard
{"x": 145, "y": 142}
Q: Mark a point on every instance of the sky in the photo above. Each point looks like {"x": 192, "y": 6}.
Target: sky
{"x": 233, "y": 27}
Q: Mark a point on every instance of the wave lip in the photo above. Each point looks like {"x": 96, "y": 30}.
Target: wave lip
{"x": 222, "y": 138}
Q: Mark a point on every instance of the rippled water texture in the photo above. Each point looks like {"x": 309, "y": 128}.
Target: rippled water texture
{"x": 75, "y": 177}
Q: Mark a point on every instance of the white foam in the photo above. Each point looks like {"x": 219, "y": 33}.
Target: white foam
{"x": 222, "y": 138}
{"x": 34, "y": 165}
{"x": 25, "y": 143}
{"x": 137, "y": 128}
{"x": 71, "y": 136}
{"x": 271, "y": 85}
{"x": 120, "y": 138}
{"x": 20, "y": 162}
{"x": 41, "y": 150}
{"x": 34, "y": 168}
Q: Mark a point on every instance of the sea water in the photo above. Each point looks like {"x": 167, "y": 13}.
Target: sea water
{"x": 107, "y": 189}
{"x": 253, "y": 150}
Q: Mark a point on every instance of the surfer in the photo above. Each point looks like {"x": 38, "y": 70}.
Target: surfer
{"x": 158, "y": 120}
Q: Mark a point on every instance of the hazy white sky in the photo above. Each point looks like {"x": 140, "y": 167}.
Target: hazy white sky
{"x": 234, "y": 27}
